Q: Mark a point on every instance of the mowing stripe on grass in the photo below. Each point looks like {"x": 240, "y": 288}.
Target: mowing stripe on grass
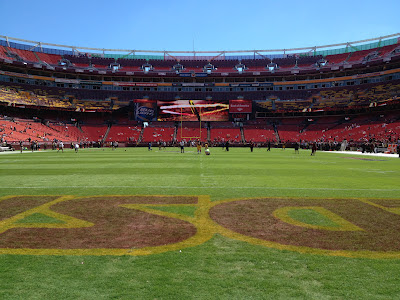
{"x": 193, "y": 187}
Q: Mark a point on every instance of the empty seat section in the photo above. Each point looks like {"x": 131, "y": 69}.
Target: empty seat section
{"x": 124, "y": 133}
{"x": 94, "y": 133}
{"x": 224, "y": 131}
{"x": 191, "y": 131}
{"x": 337, "y": 58}
{"x": 51, "y": 59}
{"x": 259, "y": 133}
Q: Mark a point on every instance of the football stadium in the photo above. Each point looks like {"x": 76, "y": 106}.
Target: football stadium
{"x": 243, "y": 174}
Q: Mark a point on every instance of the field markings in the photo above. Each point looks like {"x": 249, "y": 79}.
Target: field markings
{"x": 196, "y": 187}
{"x": 205, "y": 225}
{"x": 379, "y": 171}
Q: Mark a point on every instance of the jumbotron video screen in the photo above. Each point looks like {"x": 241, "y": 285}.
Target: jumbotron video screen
{"x": 192, "y": 110}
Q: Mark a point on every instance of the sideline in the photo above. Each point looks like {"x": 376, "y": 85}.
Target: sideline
{"x": 360, "y": 153}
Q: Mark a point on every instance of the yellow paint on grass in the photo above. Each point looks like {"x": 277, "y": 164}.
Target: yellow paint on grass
{"x": 206, "y": 228}
{"x": 393, "y": 210}
{"x": 342, "y": 224}
{"x": 69, "y": 222}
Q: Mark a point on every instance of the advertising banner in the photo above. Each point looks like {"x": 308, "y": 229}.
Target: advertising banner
{"x": 240, "y": 106}
{"x": 145, "y": 110}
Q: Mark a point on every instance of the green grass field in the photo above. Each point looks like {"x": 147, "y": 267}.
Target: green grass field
{"x": 223, "y": 266}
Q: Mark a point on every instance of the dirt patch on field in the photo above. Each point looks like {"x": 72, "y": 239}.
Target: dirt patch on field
{"x": 146, "y": 199}
{"x": 387, "y": 203}
{"x": 254, "y": 218}
{"x": 12, "y": 206}
{"x": 115, "y": 226}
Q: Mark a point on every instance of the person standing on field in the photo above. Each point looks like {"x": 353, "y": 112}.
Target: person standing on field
{"x": 296, "y": 148}
{"x": 182, "y": 144}
{"x": 61, "y": 147}
{"x": 251, "y": 145}
{"x": 198, "y": 147}
{"x": 313, "y": 149}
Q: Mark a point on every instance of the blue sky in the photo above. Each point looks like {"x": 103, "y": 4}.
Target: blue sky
{"x": 206, "y": 25}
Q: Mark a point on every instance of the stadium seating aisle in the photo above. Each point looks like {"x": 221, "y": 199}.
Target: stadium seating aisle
{"x": 94, "y": 133}
{"x": 124, "y": 133}
{"x": 25, "y": 55}
{"x": 51, "y": 59}
{"x": 224, "y": 131}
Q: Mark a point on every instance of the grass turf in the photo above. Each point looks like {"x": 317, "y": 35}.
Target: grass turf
{"x": 220, "y": 268}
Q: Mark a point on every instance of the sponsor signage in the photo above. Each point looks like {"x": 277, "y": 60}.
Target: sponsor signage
{"x": 66, "y": 80}
{"x": 193, "y": 74}
{"x": 192, "y": 84}
{"x": 240, "y": 106}
{"x": 244, "y": 84}
{"x": 368, "y": 75}
{"x": 124, "y": 84}
{"x": 239, "y": 117}
{"x": 134, "y": 84}
{"x": 90, "y": 82}
{"x": 147, "y": 84}
{"x": 145, "y": 110}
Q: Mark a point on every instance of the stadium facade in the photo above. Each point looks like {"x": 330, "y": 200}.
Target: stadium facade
{"x": 321, "y": 94}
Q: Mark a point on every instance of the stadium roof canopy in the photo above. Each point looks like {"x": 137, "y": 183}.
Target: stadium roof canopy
{"x": 323, "y": 50}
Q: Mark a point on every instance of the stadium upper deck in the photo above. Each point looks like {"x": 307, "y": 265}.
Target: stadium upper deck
{"x": 362, "y": 74}
{"x": 284, "y": 62}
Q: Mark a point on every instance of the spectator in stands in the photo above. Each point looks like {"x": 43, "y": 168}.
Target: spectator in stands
{"x": 344, "y": 145}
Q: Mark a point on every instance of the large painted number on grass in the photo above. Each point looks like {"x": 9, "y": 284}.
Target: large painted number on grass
{"x": 348, "y": 227}
{"x": 142, "y": 225}
{"x": 106, "y": 225}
